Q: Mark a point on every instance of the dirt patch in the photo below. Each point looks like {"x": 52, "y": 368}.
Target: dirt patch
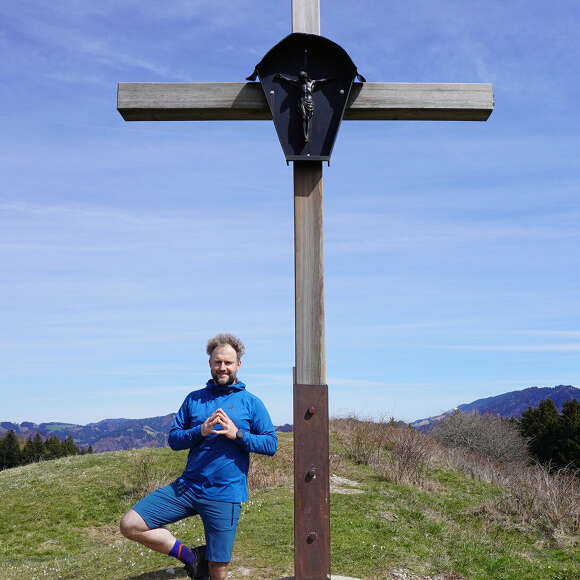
{"x": 105, "y": 535}
{"x": 389, "y": 516}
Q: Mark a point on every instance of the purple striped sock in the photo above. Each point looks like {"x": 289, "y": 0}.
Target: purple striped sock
{"x": 182, "y": 553}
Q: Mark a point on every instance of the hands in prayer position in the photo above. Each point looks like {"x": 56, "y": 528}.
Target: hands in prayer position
{"x": 219, "y": 417}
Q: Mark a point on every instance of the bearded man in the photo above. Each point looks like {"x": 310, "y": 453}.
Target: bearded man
{"x": 221, "y": 425}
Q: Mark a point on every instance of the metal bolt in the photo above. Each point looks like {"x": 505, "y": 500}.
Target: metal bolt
{"x": 311, "y": 537}
{"x": 341, "y": 91}
{"x": 311, "y": 473}
{"x": 271, "y": 92}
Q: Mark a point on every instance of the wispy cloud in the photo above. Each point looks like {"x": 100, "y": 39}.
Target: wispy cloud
{"x": 76, "y": 228}
{"x": 551, "y": 333}
{"x": 83, "y": 44}
{"x": 511, "y": 347}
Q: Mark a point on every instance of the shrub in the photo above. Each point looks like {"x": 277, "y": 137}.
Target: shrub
{"x": 363, "y": 441}
{"x": 530, "y": 493}
{"x": 398, "y": 454}
{"x": 538, "y": 496}
{"x": 488, "y": 435}
{"x": 411, "y": 454}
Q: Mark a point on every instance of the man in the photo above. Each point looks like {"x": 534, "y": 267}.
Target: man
{"x": 220, "y": 425}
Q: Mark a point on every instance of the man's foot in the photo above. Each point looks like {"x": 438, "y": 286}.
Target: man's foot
{"x": 199, "y": 569}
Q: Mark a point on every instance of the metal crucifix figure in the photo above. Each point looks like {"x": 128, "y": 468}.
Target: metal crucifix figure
{"x": 307, "y": 87}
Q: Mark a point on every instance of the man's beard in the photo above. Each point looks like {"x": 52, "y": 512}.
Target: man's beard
{"x": 224, "y": 381}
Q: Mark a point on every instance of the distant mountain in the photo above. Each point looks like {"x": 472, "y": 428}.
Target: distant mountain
{"x": 106, "y": 435}
{"x": 511, "y": 404}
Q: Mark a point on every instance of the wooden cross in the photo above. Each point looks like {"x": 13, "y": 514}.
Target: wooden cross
{"x": 246, "y": 101}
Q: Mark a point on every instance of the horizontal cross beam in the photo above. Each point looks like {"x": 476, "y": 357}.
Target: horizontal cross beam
{"x": 246, "y": 102}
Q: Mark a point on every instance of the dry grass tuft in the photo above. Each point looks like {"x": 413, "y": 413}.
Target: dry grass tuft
{"x": 398, "y": 454}
{"x": 532, "y": 494}
{"x": 142, "y": 479}
{"x": 272, "y": 471}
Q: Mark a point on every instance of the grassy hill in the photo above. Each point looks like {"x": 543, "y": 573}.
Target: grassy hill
{"x": 59, "y": 519}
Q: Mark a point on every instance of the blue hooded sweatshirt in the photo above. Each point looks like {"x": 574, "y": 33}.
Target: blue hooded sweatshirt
{"x": 217, "y": 467}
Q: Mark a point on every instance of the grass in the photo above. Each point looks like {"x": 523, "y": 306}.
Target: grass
{"x": 59, "y": 519}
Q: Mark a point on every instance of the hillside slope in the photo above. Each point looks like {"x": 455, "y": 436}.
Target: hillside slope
{"x": 59, "y": 519}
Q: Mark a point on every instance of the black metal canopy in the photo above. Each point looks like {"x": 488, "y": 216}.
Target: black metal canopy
{"x": 306, "y": 79}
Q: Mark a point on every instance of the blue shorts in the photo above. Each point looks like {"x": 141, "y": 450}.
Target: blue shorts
{"x": 176, "y": 501}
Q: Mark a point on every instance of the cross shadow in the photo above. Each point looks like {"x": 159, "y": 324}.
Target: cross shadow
{"x": 162, "y": 574}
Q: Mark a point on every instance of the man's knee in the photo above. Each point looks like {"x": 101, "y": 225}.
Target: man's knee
{"x": 132, "y": 524}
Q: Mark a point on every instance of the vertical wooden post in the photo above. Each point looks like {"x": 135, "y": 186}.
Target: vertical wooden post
{"x": 309, "y": 273}
{"x": 311, "y": 469}
{"x": 306, "y": 16}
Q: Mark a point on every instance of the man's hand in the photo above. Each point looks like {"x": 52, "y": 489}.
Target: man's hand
{"x": 220, "y": 417}
{"x": 207, "y": 425}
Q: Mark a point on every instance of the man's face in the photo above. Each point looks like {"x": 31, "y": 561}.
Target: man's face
{"x": 224, "y": 365}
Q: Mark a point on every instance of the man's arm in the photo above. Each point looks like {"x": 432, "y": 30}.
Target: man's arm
{"x": 181, "y": 434}
{"x": 262, "y": 436}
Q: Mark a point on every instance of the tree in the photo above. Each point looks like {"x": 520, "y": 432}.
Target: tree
{"x": 570, "y": 441}
{"x": 554, "y": 438}
{"x": 38, "y": 447}
{"x": 10, "y": 454}
{"x": 69, "y": 447}
{"x": 28, "y": 452}
{"x": 52, "y": 448}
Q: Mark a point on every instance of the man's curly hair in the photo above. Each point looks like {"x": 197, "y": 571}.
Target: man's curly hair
{"x": 226, "y": 338}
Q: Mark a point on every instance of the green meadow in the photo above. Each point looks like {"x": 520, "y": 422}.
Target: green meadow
{"x": 59, "y": 519}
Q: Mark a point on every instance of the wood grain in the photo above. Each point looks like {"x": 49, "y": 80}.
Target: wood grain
{"x": 306, "y": 16}
{"x": 309, "y": 273}
{"x": 246, "y": 101}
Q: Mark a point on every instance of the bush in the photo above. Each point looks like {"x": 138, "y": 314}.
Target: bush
{"x": 411, "y": 454}
{"x": 488, "y": 435}
{"x": 363, "y": 441}
{"x": 398, "y": 454}
{"x": 538, "y": 496}
{"x": 530, "y": 493}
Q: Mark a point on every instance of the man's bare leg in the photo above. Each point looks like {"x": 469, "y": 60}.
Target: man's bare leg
{"x": 218, "y": 570}
{"x": 133, "y": 526}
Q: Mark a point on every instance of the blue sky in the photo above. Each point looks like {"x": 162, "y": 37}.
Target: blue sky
{"x": 451, "y": 249}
